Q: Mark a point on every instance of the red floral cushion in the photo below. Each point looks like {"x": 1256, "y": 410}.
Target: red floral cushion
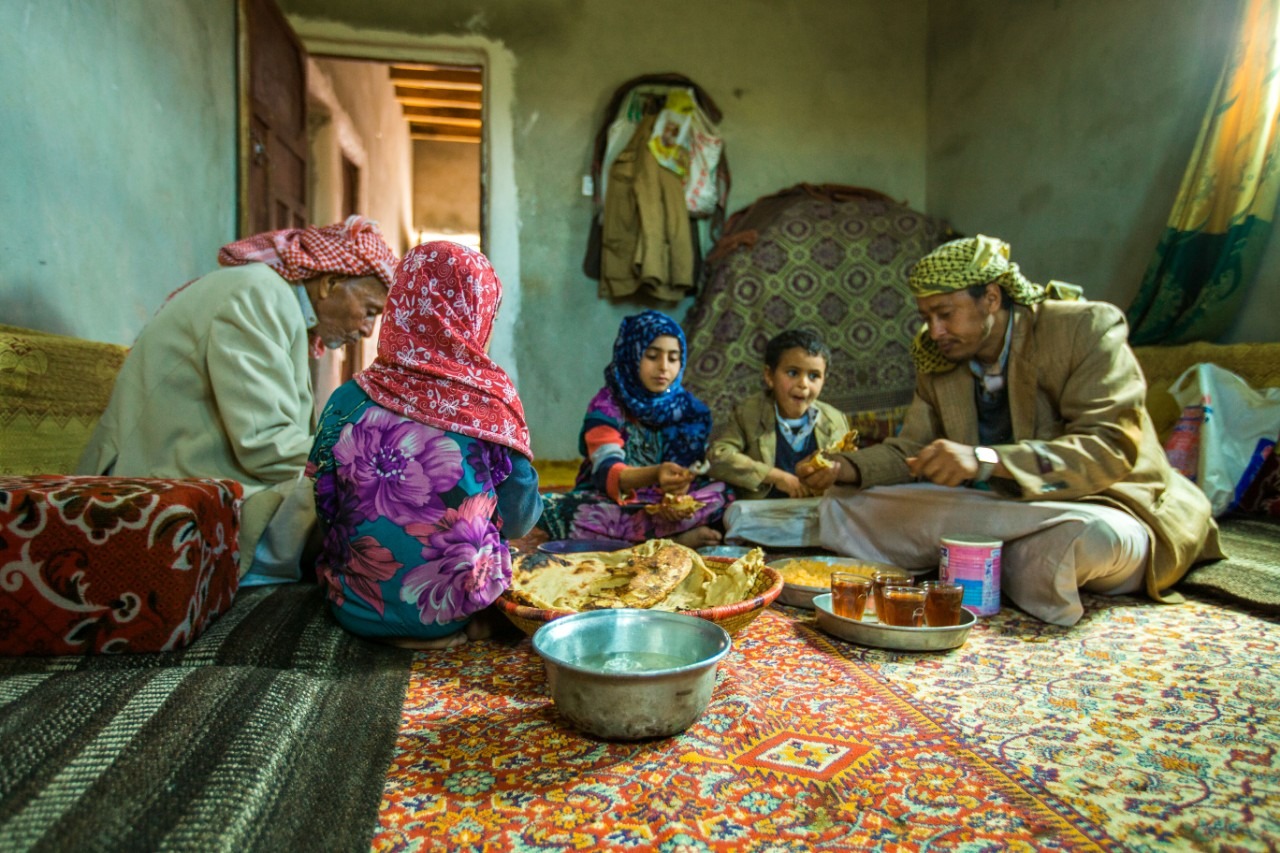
{"x": 114, "y": 564}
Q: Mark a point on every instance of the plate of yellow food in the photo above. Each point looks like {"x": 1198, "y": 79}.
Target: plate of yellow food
{"x": 806, "y": 577}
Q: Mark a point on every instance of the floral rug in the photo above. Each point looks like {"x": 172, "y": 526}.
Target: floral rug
{"x": 1145, "y": 727}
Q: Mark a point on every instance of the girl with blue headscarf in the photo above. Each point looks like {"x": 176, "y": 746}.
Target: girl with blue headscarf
{"x": 641, "y": 434}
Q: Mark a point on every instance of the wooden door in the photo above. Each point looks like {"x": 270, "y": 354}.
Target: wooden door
{"x": 273, "y": 119}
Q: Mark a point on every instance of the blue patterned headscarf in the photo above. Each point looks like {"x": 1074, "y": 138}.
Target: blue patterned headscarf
{"x": 684, "y": 420}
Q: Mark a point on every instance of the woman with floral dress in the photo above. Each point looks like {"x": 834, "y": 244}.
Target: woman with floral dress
{"x": 641, "y": 433}
{"x": 422, "y": 464}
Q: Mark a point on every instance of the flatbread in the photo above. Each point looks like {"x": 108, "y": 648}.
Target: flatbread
{"x": 848, "y": 443}
{"x": 558, "y": 582}
{"x": 634, "y": 577}
{"x": 658, "y": 574}
{"x": 650, "y": 577}
{"x": 682, "y": 505}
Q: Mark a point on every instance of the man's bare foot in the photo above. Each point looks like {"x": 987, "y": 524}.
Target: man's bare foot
{"x": 447, "y": 642}
{"x": 699, "y": 537}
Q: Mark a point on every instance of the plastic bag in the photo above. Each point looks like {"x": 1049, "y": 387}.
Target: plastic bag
{"x": 1232, "y": 418}
{"x": 670, "y": 139}
{"x": 702, "y": 185}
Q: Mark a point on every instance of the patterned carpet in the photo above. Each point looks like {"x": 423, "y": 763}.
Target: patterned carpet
{"x": 1145, "y": 727}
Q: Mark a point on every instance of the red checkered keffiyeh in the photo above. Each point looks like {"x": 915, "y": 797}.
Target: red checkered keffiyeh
{"x": 431, "y": 365}
{"x": 353, "y": 248}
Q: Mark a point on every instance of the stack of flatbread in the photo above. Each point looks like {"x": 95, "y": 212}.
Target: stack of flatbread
{"x": 658, "y": 574}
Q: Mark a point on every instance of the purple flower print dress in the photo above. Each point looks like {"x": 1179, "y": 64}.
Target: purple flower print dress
{"x": 412, "y": 518}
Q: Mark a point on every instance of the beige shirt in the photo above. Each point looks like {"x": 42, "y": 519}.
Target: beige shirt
{"x": 218, "y": 384}
{"x": 744, "y": 447}
{"x": 1081, "y": 432}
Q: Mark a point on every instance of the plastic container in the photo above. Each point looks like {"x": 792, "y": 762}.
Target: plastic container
{"x": 974, "y": 563}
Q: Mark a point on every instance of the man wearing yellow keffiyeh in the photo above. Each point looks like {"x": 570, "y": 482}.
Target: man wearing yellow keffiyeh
{"x": 1028, "y": 425}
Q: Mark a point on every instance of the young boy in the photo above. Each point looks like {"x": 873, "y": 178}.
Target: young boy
{"x": 757, "y": 449}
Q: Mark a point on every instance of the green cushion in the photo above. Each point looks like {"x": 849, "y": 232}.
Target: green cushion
{"x": 53, "y": 389}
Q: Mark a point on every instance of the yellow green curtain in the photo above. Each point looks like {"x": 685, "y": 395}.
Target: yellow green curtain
{"x": 1209, "y": 254}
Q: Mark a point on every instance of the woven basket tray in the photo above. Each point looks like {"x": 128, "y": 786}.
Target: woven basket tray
{"x": 732, "y": 617}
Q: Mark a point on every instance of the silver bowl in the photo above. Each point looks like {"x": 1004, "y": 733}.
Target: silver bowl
{"x": 631, "y": 674}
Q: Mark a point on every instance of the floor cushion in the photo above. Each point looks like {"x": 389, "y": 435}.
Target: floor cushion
{"x": 114, "y": 564}
{"x": 53, "y": 389}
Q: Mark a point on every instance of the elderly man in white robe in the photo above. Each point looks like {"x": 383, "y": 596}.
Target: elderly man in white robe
{"x": 218, "y": 383}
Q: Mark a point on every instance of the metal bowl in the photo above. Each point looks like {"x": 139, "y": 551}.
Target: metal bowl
{"x": 631, "y": 674}
{"x": 582, "y": 546}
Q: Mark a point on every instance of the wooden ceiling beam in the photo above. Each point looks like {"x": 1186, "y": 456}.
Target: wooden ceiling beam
{"x": 433, "y": 66}
{"x": 437, "y": 98}
{"x": 445, "y": 137}
{"x": 454, "y": 78}
{"x": 431, "y": 112}
{"x": 448, "y": 121}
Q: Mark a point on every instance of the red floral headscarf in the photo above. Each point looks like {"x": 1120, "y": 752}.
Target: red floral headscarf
{"x": 354, "y": 248}
{"x": 431, "y": 365}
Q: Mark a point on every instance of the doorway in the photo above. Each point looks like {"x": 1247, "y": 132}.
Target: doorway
{"x": 455, "y": 176}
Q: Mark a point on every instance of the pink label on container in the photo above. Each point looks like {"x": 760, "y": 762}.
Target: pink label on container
{"x": 973, "y": 563}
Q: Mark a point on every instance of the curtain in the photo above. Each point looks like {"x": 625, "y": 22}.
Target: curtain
{"x": 1216, "y": 234}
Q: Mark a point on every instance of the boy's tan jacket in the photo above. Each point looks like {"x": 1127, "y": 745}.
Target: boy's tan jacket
{"x": 1081, "y": 432}
{"x": 743, "y": 448}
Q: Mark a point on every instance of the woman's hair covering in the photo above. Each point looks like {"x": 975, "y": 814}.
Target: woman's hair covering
{"x": 961, "y": 264}
{"x": 431, "y": 365}
{"x": 685, "y": 421}
{"x": 353, "y": 248}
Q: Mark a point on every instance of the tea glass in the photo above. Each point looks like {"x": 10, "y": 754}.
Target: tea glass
{"x": 903, "y": 606}
{"x": 942, "y": 602}
{"x": 849, "y": 594}
{"x": 882, "y": 579}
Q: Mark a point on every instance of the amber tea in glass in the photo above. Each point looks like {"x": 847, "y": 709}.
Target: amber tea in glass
{"x": 942, "y": 603}
{"x": 849, "y": 594}
{"x": 882, "y": 579}
{"x": 903, "y": 606}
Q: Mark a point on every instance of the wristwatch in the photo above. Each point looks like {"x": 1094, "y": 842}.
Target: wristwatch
{"x": 988, "y": 459}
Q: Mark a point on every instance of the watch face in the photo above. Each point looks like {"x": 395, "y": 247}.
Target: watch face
{"x": 987, "y": 455}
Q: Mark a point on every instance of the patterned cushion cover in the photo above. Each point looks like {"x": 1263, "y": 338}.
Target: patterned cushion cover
{"x": 114, "y": 564}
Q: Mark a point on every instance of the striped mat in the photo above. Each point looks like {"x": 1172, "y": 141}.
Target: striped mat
{"x": 272, "y": 732}
{"x": 1251, "y": 573}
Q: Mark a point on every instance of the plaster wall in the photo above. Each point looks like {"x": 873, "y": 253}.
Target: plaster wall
{"x": 1065, "y": 128}
{"x": 118, "y": 158}
{"x": 446, "y": 186}
{"x": 366, "y": 99}
{"x": 811, "y": 91}
{"x": 353, "y": 114}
